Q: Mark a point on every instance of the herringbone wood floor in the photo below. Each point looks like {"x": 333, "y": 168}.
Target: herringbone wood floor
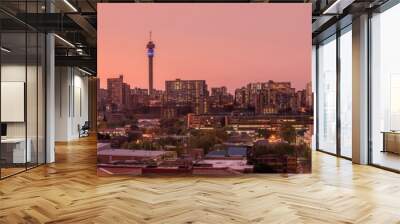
{"x": 70, "y": 192}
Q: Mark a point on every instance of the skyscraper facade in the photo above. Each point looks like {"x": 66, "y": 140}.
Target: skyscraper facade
{"x": 115, "y": 91}
{"x": 188, "y": 93}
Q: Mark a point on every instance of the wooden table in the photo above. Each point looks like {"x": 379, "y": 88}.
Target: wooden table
{"x": 391, "y": 141}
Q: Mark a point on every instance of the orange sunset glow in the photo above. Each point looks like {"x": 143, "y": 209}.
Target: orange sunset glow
{"x": 224, "y": 44}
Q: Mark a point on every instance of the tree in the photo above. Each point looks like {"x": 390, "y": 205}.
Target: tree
{"x": 288, "y": 133}
{"x": 134, "y": 135}
{"x": 134, "y": 145}
{"x": 168, "y": 141}
{"x": 147, "y": 145}
{"x": 133, "y": 121}
{"x": 205, "y": 140}
{"x": 264, "y": 133}
{"x": 172, "y": 126}
{"x": 221, "y": 134}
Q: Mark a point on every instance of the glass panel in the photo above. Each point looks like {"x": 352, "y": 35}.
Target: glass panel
{"x": 31, "y": 97}
{"x": 13, "y": 86}
{"x": 313, "y": 82}
{"x": 385, "y": 84}
{"x": 346, "y": 94}
{"x": 23, "y": 82}
{"x": 41, "y": 98}
{"x": 327, "y": 96}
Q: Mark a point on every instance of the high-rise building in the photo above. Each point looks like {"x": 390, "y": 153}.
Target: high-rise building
{"x": 102, "y": 96}
{"x": 309, "y": 96}
{"x": 126, "y": 95}
{"x": 118, "y": 93}
{"x": 252, "y": 89}
{"x": 219, "y": 91}
{"x": 187, "y": 93}
{"x": 150, "y": 54}
{"x": 220, "y": 98}
{"x": 115, "y": 91}
{"x": 240, "y": 97}
{"x": 301, "y": 100}
{"x": 139, "y": 96}
{"x": 267, "y": 97}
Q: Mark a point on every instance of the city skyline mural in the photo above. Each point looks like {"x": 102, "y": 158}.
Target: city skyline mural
{"x": 204, "y": 89}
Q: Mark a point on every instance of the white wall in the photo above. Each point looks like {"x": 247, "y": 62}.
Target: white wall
{"x": 71, "y": 103}
{"x": 33, "y": 127}
{"x": 14, "y": 73}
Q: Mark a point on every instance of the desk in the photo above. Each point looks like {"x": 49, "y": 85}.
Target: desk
{"x": 13, "y": 150}
{"x": 391, "y": 141}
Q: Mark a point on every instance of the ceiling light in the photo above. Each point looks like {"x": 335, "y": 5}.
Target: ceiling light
{"x": 64, "y": 40}
{"x": 84, "y": 71}
{"x": 337, "y": 7}
{"x": 5, "y": 50}
{"x": 79, "y": 51}
{"x": 70, "y": 5}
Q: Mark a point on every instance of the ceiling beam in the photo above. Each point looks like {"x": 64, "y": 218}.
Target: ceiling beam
{"x": 86, "y": 26}
{"x": 81, "y": 61}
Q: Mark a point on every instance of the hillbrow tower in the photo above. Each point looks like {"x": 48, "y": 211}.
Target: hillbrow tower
{"x": 150, "y": 53}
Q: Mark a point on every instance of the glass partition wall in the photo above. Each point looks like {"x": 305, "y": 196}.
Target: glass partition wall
{"x": 385, "y": 89}
{"x": 22, "y": 98}
{"x": 345, "y": 92}
{"x": 327, "y": 95}
{"x": 334, "y": 93}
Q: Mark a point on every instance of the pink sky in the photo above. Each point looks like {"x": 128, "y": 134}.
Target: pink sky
{"x": 225, "y": 44}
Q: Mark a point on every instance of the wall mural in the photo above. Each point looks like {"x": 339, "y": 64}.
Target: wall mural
{"x": 204, "y": 89}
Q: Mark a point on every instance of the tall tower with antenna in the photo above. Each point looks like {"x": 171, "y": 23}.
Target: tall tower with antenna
{"x": 150, "y": 54}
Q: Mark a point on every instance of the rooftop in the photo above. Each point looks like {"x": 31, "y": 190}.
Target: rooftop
{"x": 129, "y": 152}
{"x": 229, "y": 151}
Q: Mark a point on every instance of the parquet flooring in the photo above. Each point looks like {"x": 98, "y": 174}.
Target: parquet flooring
{"x": 11, "y": 170}
{"x": 70, "y": 192}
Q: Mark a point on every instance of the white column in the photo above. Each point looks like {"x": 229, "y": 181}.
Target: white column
{"x": 63, "y": 102}
{"x": 50, "y": 99}
{"x": 50, "y": 91}
{"x": 360, "y": 90}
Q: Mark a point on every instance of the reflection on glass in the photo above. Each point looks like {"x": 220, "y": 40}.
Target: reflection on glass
{"x": 327, "y": 96}
{"x": 23, "y": 92}
{"x": 385, "y": 89}
{"x": 346, "y": 94}
{"x": 314, "y": 81}
{"x": 31, "y": 99}
{"x": 41, "y": 99}
{"x": 14, "y": 153}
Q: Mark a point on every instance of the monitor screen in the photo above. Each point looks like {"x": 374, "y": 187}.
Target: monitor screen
{"x": 3, "y": 129}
